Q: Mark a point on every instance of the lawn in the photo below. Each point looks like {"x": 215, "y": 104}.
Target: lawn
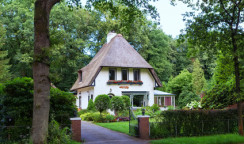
{"x": 116, "y": 126}
{"x": 215, "y": 139}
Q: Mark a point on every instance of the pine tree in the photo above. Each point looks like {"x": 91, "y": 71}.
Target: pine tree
{"x": 198, "y": 79}
{"x": 4, "y": 67}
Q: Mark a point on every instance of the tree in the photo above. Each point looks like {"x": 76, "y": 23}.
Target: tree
{"x": 91, "y": 105}
{"x": 222, "y": 86}
{"x": 217, "y": 27}
{"x": 178, "y": 83}
{"x": 102, "y": 103}
{"x": 117, "y": 104}
{"x": 198, "y": 79}
{"x": 41, "y": 59}
{"x": 4, "y": 67}
{"x": 126, "y": 101}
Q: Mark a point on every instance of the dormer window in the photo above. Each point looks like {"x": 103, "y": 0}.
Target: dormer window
{"x": 112, "y": 74}
{"x": 137, "y": 75}
{"x": 125, "y": 74}
{"x": 80, "y": 76}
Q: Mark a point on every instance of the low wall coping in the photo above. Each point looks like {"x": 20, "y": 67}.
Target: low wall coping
{"x": 142, "y": 116}
{"x": 76, "y": 118}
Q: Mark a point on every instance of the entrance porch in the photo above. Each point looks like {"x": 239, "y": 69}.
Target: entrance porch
{"x": 138, "y": 99}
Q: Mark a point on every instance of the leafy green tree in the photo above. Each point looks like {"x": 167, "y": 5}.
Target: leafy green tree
{"x": 156, "y": 53}
{"x": 217, "y": 27}
{"x": 17, "y": 18}
{"x": 220, "y": 92}
{"x": 4, "y": 67}
{"x": 91, "y": 105}
{"x": 117, "y": 104}
{"x": 186, "y": 96}
{"x": 102, "y": 103}
{"x": 178, "y": 83}
{"x": 126, "y": 101}
{"x": 198, "y": 79}
{"x": 178, "y": 56}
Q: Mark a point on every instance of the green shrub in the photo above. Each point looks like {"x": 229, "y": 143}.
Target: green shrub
{"x": 109, "y": 118}
{"x": 91, "y": 105}
{"x": 56, "y": 135}
{"x": 83, "y": 111}
{"x": 155, "y": 107}
{"x": 171, "y": 107}
{"x": 97, "y": 117}
{"x": 117, "y": 104}
{"x": 124, "y": 113}
{"x": 102, "y": 103}
{"x": 126, "y": 101}
{"x": 17, "y": 104}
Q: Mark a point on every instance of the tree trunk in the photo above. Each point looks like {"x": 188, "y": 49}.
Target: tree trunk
{"x": 237, "y": 90}
{"x": 41, "y": 104}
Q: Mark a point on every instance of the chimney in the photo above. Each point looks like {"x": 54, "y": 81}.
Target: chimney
{"x": 110, "y": 36}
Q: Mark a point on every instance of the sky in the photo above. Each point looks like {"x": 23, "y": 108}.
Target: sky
{"x": 171, "y": 19}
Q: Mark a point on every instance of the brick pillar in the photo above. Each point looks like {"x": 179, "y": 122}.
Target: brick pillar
{"x": 143, "y": 123}
{"x": 76, "y": 128}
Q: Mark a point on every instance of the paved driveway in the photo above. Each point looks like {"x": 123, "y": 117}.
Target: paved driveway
{"x": 93, "y": 134}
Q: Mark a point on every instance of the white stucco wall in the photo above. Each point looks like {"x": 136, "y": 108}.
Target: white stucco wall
{"x": 101, "y": 86}
{"x": 84, "y": 93}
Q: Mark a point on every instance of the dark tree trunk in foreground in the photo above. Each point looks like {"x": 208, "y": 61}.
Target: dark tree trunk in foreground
{"x": 41, "y": 103}
{"x": 238, "y": 90}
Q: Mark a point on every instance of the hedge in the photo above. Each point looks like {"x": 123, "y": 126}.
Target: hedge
{"x": 17, "y": 103}
{"x": 194, "y": 123}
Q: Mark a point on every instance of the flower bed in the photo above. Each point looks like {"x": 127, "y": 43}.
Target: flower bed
{"x": 124, "y": 82}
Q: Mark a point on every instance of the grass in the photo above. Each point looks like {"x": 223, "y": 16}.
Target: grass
{"x": 215, "y": 139}
{"x": 116, "y": 126}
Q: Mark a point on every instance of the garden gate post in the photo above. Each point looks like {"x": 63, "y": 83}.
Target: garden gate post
{"x": 76, "y": 128}
{"x": 143, "y": 125}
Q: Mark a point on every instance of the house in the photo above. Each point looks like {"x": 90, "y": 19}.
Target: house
{"x": 116, "y": 70}
{"x": 164, "y": 99}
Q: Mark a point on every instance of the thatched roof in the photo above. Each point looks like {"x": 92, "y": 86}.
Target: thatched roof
{"x": 117, "y": 53}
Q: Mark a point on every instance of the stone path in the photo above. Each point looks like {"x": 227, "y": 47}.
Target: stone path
{"x": 93, "y": 134}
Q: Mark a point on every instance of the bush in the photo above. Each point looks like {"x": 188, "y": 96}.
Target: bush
{"x": 117, "y": 104}
{"x": 110, "y": 118}
{"x": 171, "y": 107}
{"x": 194, "y": 123}
{"x": 91, "y": 105}
{"x": 154, "y": 107}
{"x": 126, "y": 101}
{"x": 102, "y": 103}
{"x": 56, "y": 135}
{"x": 17, "y": 104}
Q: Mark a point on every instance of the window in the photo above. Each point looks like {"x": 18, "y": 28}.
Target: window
{"x": 112, "y": 74}
{"x": 92, "y": 96}
{"x": 79, "y": 101}
{"x": 124, "y": 74}
{"x": 88, "y": 98}
{"x": 80, "y": 76}
{"x": 110, "y": 95}
{"x": 136, "y": 75}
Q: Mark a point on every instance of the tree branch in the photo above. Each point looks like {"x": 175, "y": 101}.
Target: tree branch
{"x": 221, "y": 3}
{"x": 51, "y": 3}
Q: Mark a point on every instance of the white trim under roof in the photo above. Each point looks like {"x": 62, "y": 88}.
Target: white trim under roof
{"x": 161, "y": 93}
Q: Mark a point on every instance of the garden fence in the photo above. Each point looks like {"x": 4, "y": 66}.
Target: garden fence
{"x": 196, "y": 128}
{"x": 133, "y": 124}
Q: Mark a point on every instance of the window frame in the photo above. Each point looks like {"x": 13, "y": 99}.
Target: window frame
{"x": 139, "y": 74}
{"x": 127, "y": 72}
{"x": 80, "y": 78}
{"x": 115, "y": 73}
